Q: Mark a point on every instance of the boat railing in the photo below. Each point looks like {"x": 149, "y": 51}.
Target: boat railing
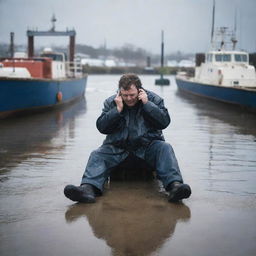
{"x": 74, "y": 69}
{"x": 224, "y": 38}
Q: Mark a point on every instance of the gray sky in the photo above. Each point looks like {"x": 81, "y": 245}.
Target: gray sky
{"x": 186, "y": 23}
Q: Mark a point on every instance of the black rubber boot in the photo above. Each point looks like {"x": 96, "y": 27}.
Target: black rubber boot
{"x": 83, "y": 194}
{"x": 178, "y": 191}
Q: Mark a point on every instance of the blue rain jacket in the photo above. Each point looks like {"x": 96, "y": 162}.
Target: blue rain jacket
{"x": 135, "y": 126}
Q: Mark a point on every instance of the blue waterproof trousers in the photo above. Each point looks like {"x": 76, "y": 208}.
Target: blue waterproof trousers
{"x": 158, "y": 154}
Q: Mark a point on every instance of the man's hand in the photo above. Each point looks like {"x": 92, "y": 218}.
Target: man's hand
{"x": 143, "y": 96}
{"x": 119, "y": 102}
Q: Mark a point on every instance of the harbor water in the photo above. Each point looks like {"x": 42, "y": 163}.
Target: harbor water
{"x": 215, "y": 145}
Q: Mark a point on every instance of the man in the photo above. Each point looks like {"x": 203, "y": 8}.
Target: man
{"x": 133, "y": 120}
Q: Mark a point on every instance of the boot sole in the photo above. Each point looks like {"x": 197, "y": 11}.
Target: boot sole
{"x": 182, "y": 192}
{"x": 76, "y": 195}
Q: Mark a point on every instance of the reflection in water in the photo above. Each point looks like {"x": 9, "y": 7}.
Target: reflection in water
{"x": 31, "y": 147}
{"x": 32, "y": 136}
{"x": 132, "y": 218}
{"x": 227, "y": 136}
{"x": 242, "y": 120}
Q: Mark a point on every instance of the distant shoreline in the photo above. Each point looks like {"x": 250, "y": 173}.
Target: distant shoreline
{"x": 138, "y": 70}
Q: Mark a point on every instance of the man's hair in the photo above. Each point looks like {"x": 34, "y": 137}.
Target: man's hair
{"x": 127, "y": 80}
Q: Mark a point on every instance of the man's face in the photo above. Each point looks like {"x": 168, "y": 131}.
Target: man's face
{"x": 130, "y": 97}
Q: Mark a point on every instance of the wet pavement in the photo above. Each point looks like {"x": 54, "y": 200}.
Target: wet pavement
{"x": 215, "y": 145}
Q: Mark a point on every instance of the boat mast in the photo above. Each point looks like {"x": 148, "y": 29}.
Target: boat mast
{"x": 53, "y": 20}
{"x": 11, "y": 48}
{"x": 162, "y": 49}
{"x": 233, "y": 38}
{"x": 213, "y": 21}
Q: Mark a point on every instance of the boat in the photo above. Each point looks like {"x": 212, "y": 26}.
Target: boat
{"x": 223, "y": 74}
{"x": 32, "y": 83}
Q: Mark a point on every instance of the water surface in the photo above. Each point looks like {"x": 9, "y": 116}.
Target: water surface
{"x": 215, "y": 145}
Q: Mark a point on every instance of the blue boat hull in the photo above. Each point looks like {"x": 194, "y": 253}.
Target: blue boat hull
{"x": 238, "y": 96}
{"x": 18, "y": 95}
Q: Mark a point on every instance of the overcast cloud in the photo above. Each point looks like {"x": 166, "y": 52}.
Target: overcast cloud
{"x": 186, "y": 23}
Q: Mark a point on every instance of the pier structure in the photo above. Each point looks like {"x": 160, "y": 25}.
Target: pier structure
{"x": 52, "y": 32}
{"x": 162, "y": 81}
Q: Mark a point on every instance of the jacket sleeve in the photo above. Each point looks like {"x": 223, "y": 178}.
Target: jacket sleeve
{"x": 156, "y": 113}
{"x": 109, "y": 120}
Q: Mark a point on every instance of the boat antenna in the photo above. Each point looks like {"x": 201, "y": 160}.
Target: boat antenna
{"x": 213, "y": 20}
{"x": 53, "y": 20}
{"x": 233, "y": 38}
{"x": 223, "y": 31}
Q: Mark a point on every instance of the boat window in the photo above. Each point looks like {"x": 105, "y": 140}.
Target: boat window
{"x": 55, "y": 57}
{"x": 223, "y": 57}
{"x": 241, "y": 57}
{"x": 218, "y": 57}
{"x": 226, "y": 57}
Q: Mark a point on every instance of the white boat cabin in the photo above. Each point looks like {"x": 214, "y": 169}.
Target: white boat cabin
{"x": 58, "y": 63}
{"x": 226, "y": 68}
